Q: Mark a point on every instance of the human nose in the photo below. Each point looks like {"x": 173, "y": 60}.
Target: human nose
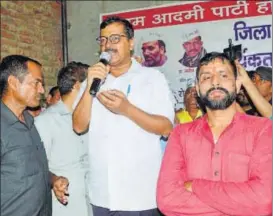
{"x": 107, "y": 43}
{"x": 41, "y": 89}
{"x": 146, "y": 52}
{"x": 191, "y": 46}
{"x": 215, "y": 80}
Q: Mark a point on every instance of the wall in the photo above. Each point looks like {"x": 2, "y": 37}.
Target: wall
{"x": 33, "y": 28}
{"x": 83, "y": 18}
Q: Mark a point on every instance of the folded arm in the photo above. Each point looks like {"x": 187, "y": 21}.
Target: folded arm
{"x": 172, "y": 197}
{"x": 252, "y": 197}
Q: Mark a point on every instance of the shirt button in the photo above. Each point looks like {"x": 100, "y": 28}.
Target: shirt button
{"x": 217, "y": 153}
{"x": 216, "y": 173}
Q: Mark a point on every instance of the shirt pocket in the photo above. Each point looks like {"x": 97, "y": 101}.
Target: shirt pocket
{"x": 141, "y": 96}
{"x": 238, "y": 167}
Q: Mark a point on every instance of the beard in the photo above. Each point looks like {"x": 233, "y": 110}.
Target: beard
{"x": 152, "y": 61}
{"x": 221, "y": 104}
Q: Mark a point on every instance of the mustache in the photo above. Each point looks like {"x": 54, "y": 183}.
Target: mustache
{"x": 217, "y": 88}
{"x": 109, "y": 50}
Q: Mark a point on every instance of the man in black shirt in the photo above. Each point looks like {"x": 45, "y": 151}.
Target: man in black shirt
{"x": 256, "y": 95}
{"x": 25, "y": 179}
{"x": 262, "y": 79}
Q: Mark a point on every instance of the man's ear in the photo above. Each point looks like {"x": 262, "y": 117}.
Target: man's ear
{"x": 13, "y": 83}
{"x": 132, "y": 44}
{"x": 77, "y": 85}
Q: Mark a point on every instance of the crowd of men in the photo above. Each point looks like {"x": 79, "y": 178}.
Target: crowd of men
{"x": 100, "y": 155}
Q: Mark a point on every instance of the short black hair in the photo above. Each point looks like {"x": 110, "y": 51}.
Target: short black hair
{"x": 128, "y": 27}
{"x": 251, "y": 73}
{"x": 265, "y": 73}
{"x": 161, "y": 43}
{"x": 69, "y": 75}
{"x": 15, "y": 65}
{"x": 53, "y": 90}
{"x": 209, "y": 57}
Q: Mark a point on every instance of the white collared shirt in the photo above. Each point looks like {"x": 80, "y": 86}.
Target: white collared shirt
{"x": 124, "y": 158}
{"x": 67, "y": 155}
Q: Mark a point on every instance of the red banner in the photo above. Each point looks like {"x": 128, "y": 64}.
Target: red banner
{"x": 195, "y": 12}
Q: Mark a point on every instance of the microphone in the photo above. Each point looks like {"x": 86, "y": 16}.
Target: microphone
{"x": 230, "y": 46}
{"x": 105, "y": 58}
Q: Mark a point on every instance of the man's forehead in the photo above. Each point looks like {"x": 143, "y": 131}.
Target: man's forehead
{"x": 190, "y": 91}
{"x": 33, "y": 66}
{"x": 150, "y": 43}
{"x": 34, "y": 70}
{"x": 217, "y": 63}
{"x": 113, "y": 28}
{"x": 194, "y": 39}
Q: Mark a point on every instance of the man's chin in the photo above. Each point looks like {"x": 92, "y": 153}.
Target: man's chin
{"x": 34, "y": 104}
{"x": 149, "y": 64}
{"x": 218, "y": 105}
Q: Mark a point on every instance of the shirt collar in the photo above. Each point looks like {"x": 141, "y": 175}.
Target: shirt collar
{"x": 236, "y": 117}
{"x": 198, "y": 115}
{"x": 11, "y": 118}
{"x": 203, "y": 128}
{"x": 61, "y": 108}
{"x": 135, "y": 64}
{"x": 134, "y": 68}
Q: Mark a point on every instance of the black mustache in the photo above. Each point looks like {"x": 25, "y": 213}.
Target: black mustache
{"x": 110, "y": 50}
{"x": 218, "y": 88}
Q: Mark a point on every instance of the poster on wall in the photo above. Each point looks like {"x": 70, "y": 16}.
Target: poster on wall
{"x": 173, "y": 38}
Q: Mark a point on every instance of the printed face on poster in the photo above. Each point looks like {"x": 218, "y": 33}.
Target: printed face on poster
{"x": 173, "y": 38}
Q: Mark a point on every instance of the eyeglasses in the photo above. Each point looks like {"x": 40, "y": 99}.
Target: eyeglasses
{"x": 114, "y": 39}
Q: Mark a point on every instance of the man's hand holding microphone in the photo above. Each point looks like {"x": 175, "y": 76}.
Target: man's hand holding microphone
{"x": 97, "y": 73}
{"x": 114, "y": 100}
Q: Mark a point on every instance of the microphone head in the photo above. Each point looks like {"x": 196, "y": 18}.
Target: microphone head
{"x": 229, "y": 41}
{"x": 105, "y": 56}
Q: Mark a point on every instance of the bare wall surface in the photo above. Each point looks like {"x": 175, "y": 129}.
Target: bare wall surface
{"x": 83, "y": 20}
{"x": 33, "y": 28}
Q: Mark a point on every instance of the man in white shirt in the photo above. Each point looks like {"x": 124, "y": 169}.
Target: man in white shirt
{"x": 66, "y": 151}
{"x": 126, "y": 119}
